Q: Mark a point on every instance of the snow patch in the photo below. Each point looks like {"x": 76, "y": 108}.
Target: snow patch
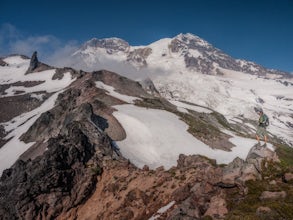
{"x": 162, "y": 210}
{"x": 157, "y": 138}
{"x": 111, "y": 91}
{"x": 10, "y": 152}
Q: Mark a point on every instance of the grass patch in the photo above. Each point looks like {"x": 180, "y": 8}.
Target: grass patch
{"x": 285, "y": 154}
{"x": 245, "y": 207}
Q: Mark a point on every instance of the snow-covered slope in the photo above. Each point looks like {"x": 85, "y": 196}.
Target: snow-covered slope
{"x": 16, "y": 85}
{"x": 236, "y": 95}
{"x": 188, "y": 68}
{"x": 156, "y": 138}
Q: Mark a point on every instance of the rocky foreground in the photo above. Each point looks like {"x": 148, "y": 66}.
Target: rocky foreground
{"x": 80, "y": 179}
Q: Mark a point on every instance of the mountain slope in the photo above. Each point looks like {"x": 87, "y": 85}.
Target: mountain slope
{"x": 187, "y": 68}
{"x": 68, "y": 164}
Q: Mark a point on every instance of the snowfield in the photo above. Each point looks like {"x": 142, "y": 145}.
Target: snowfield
{"x": 17, "y": 126}
{"x": 15, "y": 72}
{"x": 235, "y": 95}
{"x": 156, "y": 138}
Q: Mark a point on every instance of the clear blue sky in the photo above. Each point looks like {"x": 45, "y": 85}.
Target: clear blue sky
{"x": 255, "y": 30}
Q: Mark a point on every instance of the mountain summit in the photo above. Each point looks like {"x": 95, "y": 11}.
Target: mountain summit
{"x": 183, "y": 53}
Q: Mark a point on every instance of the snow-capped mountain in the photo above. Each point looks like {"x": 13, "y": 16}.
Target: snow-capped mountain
{"x": 188, "y": 68}
{"x": 185, "y": 52}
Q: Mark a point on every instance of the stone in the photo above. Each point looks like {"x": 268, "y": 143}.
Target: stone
{"x": 267, "y": 195}
{"x": 288, "y": 177}
{"x": 262, "y": 209}
{"x": 217, "y": 207}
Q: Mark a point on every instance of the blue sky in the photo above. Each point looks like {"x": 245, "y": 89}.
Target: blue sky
{"x": 255, "y": 30}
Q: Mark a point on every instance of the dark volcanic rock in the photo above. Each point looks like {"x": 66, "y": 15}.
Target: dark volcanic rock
{"x": 52, "y": 183}
{"x": 34, "y": 63}
{"x": 112, "y": 45}
{"x": 2, "y": 63}
{"x": 24, "y": 103}
{"x": 122, "y": 84}
{"x": 36, "y": 66}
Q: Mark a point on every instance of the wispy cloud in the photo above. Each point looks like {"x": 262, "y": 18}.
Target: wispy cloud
{"x": 50, "y": 49}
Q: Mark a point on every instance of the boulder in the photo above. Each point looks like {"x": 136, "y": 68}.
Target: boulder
{"x": 268, "y": 195}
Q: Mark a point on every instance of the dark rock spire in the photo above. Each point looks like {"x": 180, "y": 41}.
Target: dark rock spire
{"x": 34, "y": 63}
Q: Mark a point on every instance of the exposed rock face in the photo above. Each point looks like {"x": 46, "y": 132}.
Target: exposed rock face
{"x": 33, "y": 63}
{"x": 51, "y": 181}
{"x": 207, "y": 55}
{"x": 112, "y": 45}
{"x": 149, "y": 86}
{"x": 55, "y": 182}
{"x": 138, "y": 56}
{"x": 2, "y": 63}
{"x": 24, "y": 103}
{"x": 239, "y": 171}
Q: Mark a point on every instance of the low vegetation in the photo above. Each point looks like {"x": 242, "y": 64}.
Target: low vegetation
{"x": 251, "y": 206}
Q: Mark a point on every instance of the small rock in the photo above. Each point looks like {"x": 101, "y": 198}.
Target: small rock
{"x": 217, "y": 207}
{"x": 272, "y": 195}
{"x": 263, "y": 209}
{"x": 160, "y": 169}
{"x": 145, "y": 168}
{"x": 288, "y": 177}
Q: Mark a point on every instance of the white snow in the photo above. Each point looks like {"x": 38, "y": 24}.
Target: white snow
{"x": 10, "y": 152}
{"x": 111, "y": 91}
{"x": 40, "y": 97}
{"x": 195, "y": 53}
{"x": 156, "y": 138}
{"x": 49, "y": 85}
{"x": 234, "y": 95}
{"x": 15, "y": 72}
{"x": 162, "y": 210}
{"x": 15, "y": 60}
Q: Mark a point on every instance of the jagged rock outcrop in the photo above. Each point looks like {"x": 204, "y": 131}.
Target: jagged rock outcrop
{"x": 138, "y": 56}
{"x": 239, "y": 171}
{"x": 34, "y": 63}
{"x": 148, "y": 85}
{"x": 111, "y": 45}
{"x": 2, "y": 63}
{"x": 62, "y": 178}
